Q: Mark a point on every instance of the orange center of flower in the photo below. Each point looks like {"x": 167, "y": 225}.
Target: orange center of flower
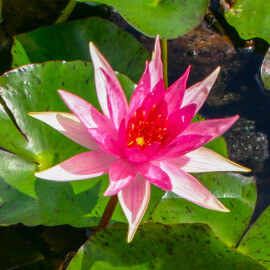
{"x": 143, "y": 130}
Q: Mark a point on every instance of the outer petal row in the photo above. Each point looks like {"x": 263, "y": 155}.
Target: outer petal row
{"x": 69, "y": 125}
{"x": 82, "y": 166}
{"x": 189, "y": 188}
{"x": 206, "y": 160}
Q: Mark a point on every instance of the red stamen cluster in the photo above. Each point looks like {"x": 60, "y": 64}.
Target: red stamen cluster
{"x": 143, "y": 129}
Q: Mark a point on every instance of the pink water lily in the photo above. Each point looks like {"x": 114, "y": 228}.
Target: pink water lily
{"x": 151, "y": 140}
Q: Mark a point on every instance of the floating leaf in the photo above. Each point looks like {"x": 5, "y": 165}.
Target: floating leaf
{"x": 169, "y": 19}
{"x": 158, "y": 246}
{"x": 256, "y": 241}
{"x": 236, "y": 192}
{"x": 70, "y": 41}
{"x": 251, "y": 18}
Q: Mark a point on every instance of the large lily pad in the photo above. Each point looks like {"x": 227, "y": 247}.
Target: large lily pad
{"x": 70, "y": 41}
{"x": 157, "y": 246}
{"x": 237, "y": 192}
{"x": 169, "y": 19}
{"x": 256, "y": 242}
{"x": 251, "y": 18}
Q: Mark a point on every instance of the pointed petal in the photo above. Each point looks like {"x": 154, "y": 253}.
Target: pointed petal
{"x": 155, "y": 175}
{"x": 88, "y": 115}
{"x": 116, "y": 99}
{"x": 134, "y": 200}
{"x": 213, "y": 127}
{"x": 175, "y": 93}
{"x": 189, "y": 188}
{"x": 69, "y": 125}
{"x": 181, "y": 146}
{"x": 82, "y": 166}
{"x": 141, "y": 91}
{"x": 99, "y": 61}
{"x": 155, "y": 65}
{"x": 206, "y": 160}
{"x": 178, "y": 121}
{"x": 198, "y": 92}
{"x": 121, "y": 174}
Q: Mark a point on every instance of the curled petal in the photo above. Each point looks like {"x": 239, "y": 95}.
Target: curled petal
{"x": 189, "y": 188}
{"x": 213, "y": 127}
{"x": 116, "y": 99}
{"x": 134, "y": 199}
{"x": 155, "y": 175}
{"x": 99, "y": 61}
{"x": 206, "y": 160}
{"x": 198, "y": 92}
{"x": 121, "y": 174}
{"x": 155, "y": 65}
{"x": 88, "y": 115}
{"x": 82, "y": 166}
{"x": 69, "y": 125}
{"x": 175, "y": 93}
{"x": 141, "y": 91}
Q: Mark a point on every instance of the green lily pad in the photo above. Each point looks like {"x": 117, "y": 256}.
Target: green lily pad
{"x": 251, "y": 18}
{"x": 265, "y": 70}
{"x": 70, "y": 41}
{"x": 236, "y": 192}
{"x": 158, "y": 246}
{"x": 256, "y": 241}
{"x": 169, "y": 19}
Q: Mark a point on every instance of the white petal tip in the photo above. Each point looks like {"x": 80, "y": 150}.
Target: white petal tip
{"x": 218, "y": 206}
{"x": 131, "y": 233}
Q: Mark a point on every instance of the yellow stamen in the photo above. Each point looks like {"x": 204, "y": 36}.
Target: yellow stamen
{"x": 140, "y": 141}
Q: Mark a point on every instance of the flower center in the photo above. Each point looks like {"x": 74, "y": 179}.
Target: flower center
{"x": 143, "y": 129}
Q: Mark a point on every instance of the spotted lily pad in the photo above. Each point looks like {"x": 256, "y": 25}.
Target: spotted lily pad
{"x": 169, "y": 19}
{"x": 158, "y": 246}
{"x": 236, "y": 192}
{"x": 251, "y": 18}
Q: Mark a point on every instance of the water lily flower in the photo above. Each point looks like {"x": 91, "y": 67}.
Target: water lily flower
{"x": 151, "y": 140}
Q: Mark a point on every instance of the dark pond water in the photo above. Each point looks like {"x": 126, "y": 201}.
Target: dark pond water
{"x": 237, "y": 91}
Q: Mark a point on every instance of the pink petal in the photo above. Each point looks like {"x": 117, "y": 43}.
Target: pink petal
{"x": 116, "y": 99}
{"x": 99, "y": 61}
{"x": 181, "y": 146}
{"x": 198, "y": 92}
{"x": 69, "y": 125}
{"x": 155, "y": 97}
{"x": 178, "y": 121}
{"x": 155, "y": 65}
{"x": 134, "y": 200}
{"x": 121, "y": 174}
{"x": 175, "y": 93}
{"x": 189, "y": 188}
{"x": 155, "y": 175}
{"x": 206, "y": 160}
{"x": 89, "y": 116}
{"x": 82, "y": 166}
{"x": 213, "y": 127}
{"x": 106, "y": 142}
{"x": 141, "y": 91}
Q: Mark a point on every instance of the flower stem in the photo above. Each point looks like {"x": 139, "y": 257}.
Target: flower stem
{"x": 108, "y": 212}
{"x": 164, "y": 57}
{"x": 66, "y": 12}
